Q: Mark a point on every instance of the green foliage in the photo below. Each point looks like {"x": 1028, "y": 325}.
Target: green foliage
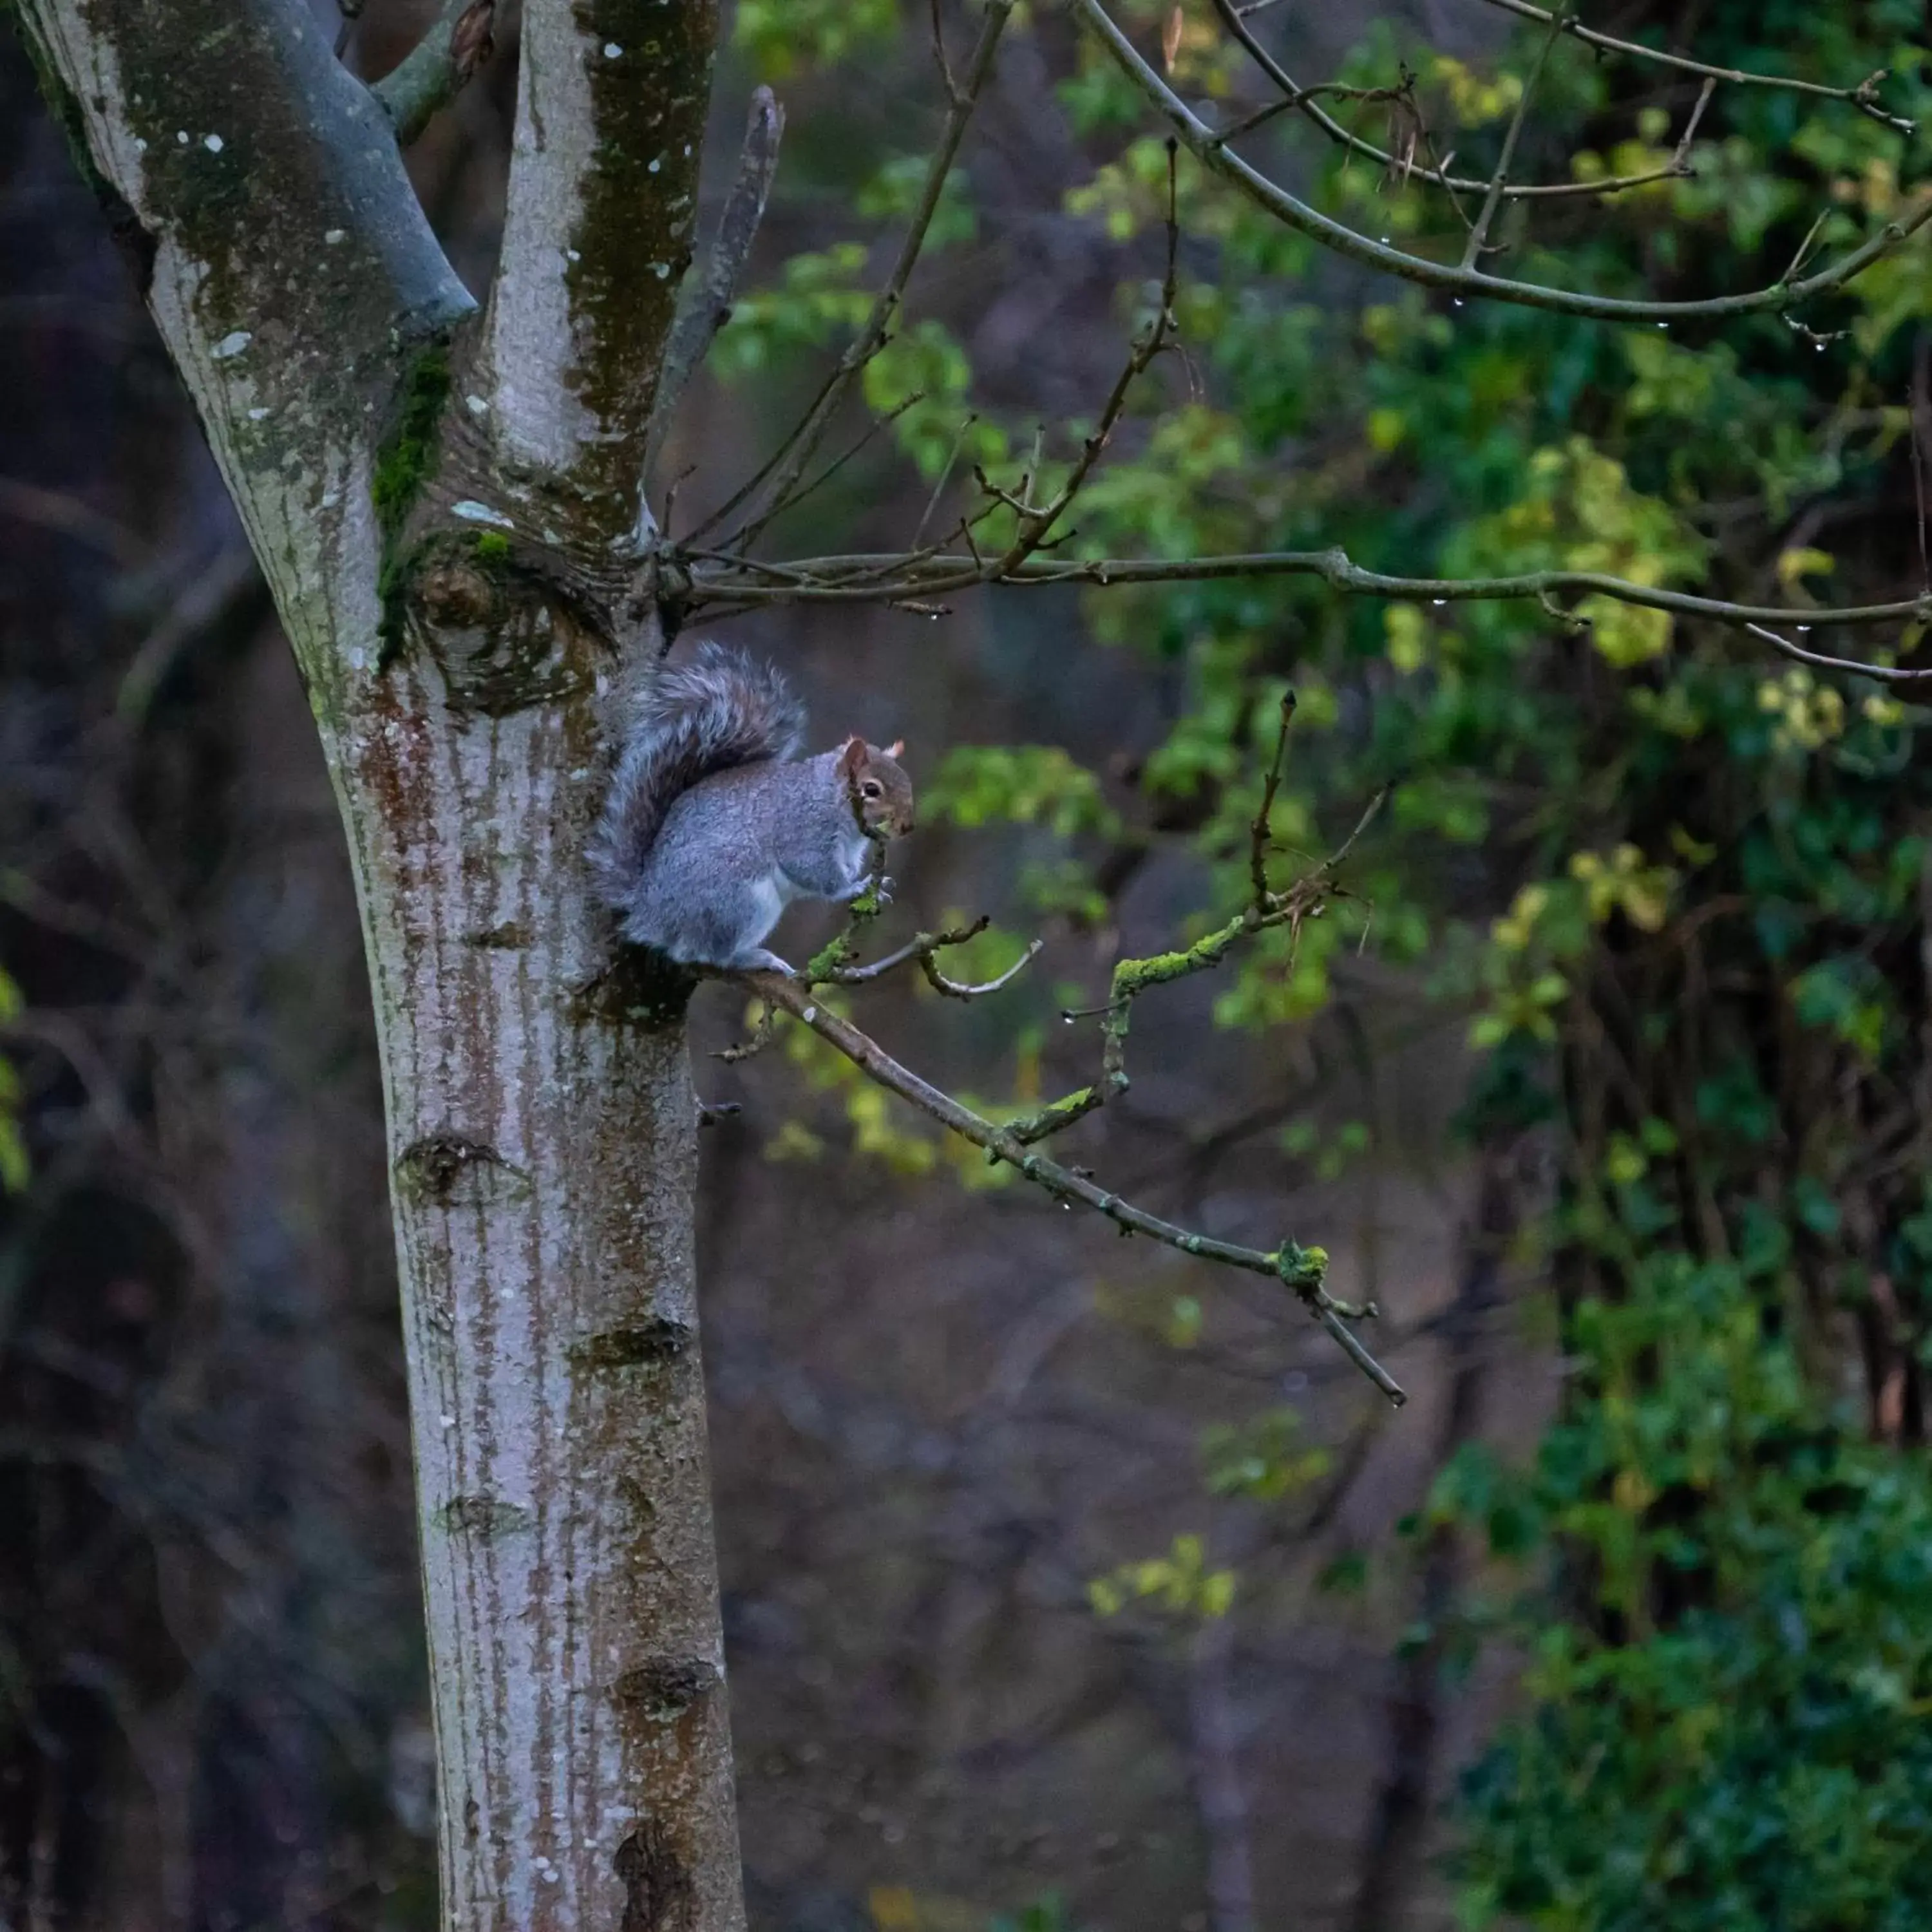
{"x": 1179, "y": 1585}
{"x": 1733, "y": 1732}
{"x": 1264, "y": 1458}
{"x": 1017, "y": 784}
{"x": 781, "y": 37}
{"x": 1047, "y": 1914}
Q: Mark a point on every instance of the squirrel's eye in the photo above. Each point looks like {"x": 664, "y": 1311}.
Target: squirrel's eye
{"x": 872, "y": 788}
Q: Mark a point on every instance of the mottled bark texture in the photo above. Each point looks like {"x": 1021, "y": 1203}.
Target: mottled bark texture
{"x": 445, "y": 506}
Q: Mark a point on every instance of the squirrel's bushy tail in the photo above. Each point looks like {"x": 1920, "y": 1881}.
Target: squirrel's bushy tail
{"x": 719, "y": 709}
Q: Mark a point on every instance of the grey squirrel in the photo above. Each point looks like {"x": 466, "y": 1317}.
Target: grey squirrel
{"x": 713, "y": 825}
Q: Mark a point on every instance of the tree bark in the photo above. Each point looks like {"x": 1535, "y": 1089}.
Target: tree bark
{"x": 446, "y": 509}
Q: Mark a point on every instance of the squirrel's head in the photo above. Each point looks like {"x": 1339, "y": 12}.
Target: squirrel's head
{"x": 880, "y": 790}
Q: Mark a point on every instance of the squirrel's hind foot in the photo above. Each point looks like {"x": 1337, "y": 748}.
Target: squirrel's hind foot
{"x": 757, "y": 959}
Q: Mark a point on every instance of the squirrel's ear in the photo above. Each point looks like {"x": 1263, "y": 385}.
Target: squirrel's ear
{"x": 852, "y": 754}
{"x": 896, "y": 749}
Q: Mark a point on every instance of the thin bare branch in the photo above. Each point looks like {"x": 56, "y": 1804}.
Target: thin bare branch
{"x": 861, "y": 441}
{"x": 789, "y": 462}
{"x": 960, "y": 989}
{"x": 1472, "y": 252}
{"x": 1680, "y": 157}
{"x": 707, "y": 311}
{"x": 754, "y": 1042}
{"x": 885, "y": 577}
{"x": 1882, "y": 674}
{"x": 946, "y": 79}
{"x": 1864, "y": 97}
{"x": 945, "y": 477}
{"x": 438, "y": 68}
{"x": 1260, "y": 833}
{"x": 1921, "y": 436}
{"x": 1201, "y": 141}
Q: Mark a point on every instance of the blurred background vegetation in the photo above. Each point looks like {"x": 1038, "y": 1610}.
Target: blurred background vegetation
{"x": 1069, "y": 1585}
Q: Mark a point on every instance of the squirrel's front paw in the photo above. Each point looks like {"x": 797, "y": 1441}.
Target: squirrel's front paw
{"x": 882, "y": 891}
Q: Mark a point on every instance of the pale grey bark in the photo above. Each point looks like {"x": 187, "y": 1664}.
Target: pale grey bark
{"x": 597, "y": 234}
{"x": 541, "y": 1116}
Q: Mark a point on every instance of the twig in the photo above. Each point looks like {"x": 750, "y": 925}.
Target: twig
{"x": 1680, "y": 157}
{"x": 349, "y": 12}
{"x": 1305, "y": 899}
{"x": 1864, "y": 97}
{"x": 1261, "y": 832}
{"x": 789, "y": 462}
{"x": 1805, "y": 247}
{"x": 707, "y": 311}
{"x": 761, "y": 1038}
{"x": 755, "y": 482}
{"x": 1199, "y": 139}
{"x": 945, "y": 477}
{"x": 438, "y": 68}
{"x": 858, "y": 443}
{"x": 1882, "y": 674}
{"x": 960, "y": 989}
{"x": 946, "y": 79}
{"x": 1479, "y": 235}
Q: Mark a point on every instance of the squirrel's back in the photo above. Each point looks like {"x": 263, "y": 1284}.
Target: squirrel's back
{"x": 720, "y": 708}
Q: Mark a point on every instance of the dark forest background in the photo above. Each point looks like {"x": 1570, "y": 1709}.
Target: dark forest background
{"x": 1066, "y": 1586}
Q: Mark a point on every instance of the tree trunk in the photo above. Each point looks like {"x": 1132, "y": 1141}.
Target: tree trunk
{"x": 446, "y": 508}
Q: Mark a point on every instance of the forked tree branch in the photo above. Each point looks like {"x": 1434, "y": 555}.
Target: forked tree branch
{"x": 1212, "y": 151}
